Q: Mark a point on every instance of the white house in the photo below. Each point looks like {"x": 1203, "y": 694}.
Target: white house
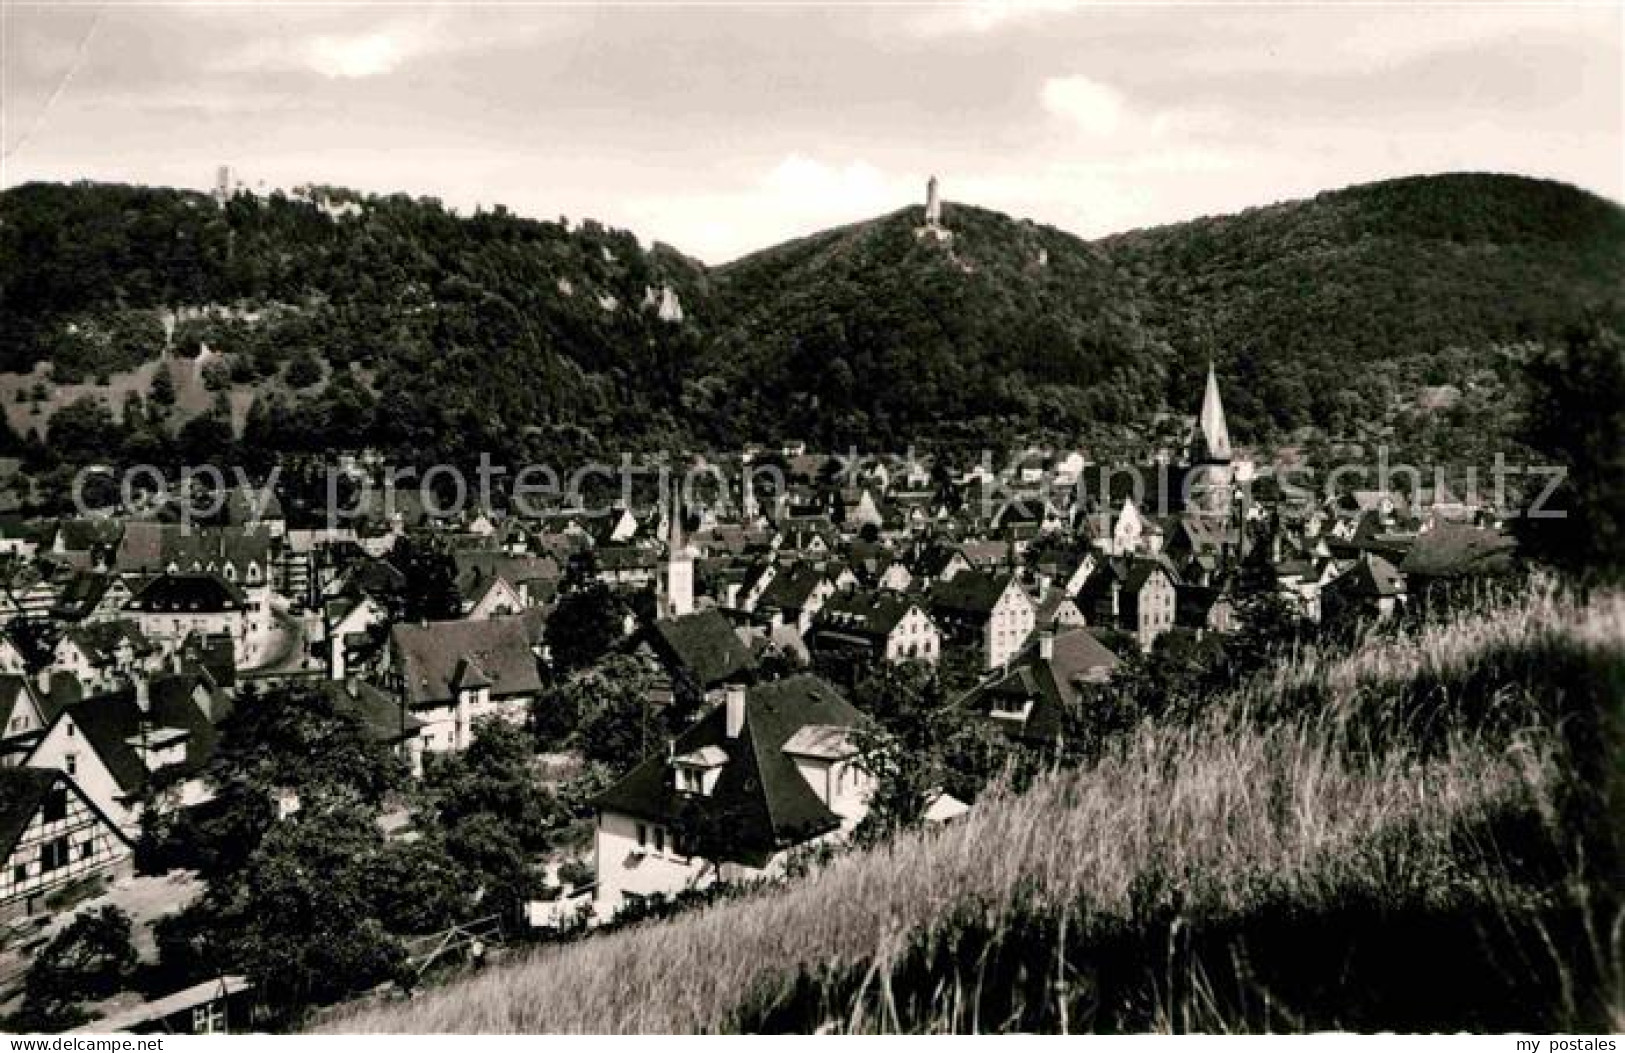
{"x": 449, "y": 674}
{"x": 769, "y": 770}
{"x": 888, "y": 626}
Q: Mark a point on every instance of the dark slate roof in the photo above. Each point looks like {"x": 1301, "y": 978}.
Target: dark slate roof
{"x": 969, "y": 594}
{"x": 214, "y": 654}
{"x": 705, "y": 644}
{"x": 871, "y": 615}
{"x": 1141, "y": 569}
{"x": 791, "y": 587}
{"x": 1454, "y": 550}
{"x": 188, "y": 593}
{"x": 1053, "y": 685}
{"x": 108, "y": 722}
{"x": 81, "y": 594}
{"x": 1194, "y": 603}
{"x": 427, "y": 657}
{"x": 375, "y": 577}
{"x": 476, "y": 568}
{"x": 1052, "y": 608}
{"x": 100, "y": 640}
{"x": 622, "y": 558}
{"x": 1372, "y": 577}
{"x": 384, "y": 718}
{"x": 22, "y": 791}
{"x": 760, "y": 796}
{"x": 932, "y": 560}
{"x": 152, "y": 547}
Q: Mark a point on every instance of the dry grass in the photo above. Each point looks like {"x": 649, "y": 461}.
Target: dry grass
{"x": 1207, "y": 821}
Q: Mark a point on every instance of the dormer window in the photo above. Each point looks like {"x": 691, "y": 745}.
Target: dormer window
{"x": 697, "y": 772}
{"x": 1018, "y": 715}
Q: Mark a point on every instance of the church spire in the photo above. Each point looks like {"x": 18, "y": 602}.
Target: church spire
{"x": 678, "y": 594}
{"x": 1212, "y": 436}
{"x": 674, "y": 523}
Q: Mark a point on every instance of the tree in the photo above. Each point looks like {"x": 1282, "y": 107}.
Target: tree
{"x": 919, "y": 745}
{"x": 90, "y": 959}
{"x": 584, "y": 625}
{"x": 1577, "y": 419}
{"x": 494, "y": 814}
{"x": 301, "y": 919}
{"x": 287, "y": 739}
{"x": 431, "y": 592}
{"x": 206, "y": 438}
{"x": 163, "y": 387}
{"x": 84, "y": 431}
{"x": 304, "y": 370}
{"x": 603, "y": 712}
{"x": 419, "y": 887}
{"x": 295, "y": 737}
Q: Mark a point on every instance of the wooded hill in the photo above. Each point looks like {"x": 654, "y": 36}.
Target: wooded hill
{"x": 394, "y": 322}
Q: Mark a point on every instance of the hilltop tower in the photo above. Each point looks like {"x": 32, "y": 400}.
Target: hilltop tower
{"x": 1208, "y": 454}
{"x": 677, "y": 597}
{"x": 933, "y": 227}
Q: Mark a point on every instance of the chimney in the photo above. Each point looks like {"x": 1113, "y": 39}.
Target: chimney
{"x": 335, "y": 657}
{"x": 352, "y": 684}
{"x": 42, "y": 680}
{"x": 1116, "y": 599}
{"x": 735, "y": 704}
{"x": 1046, "y": 644}
{"x": 143, "y": 694}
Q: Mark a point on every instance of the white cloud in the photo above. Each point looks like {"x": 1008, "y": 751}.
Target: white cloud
{"x": 356, "y": 43}
{"x": 368, "y": 55}
{"x": 983, "y": 16}
{"x": 1098, "y": 109}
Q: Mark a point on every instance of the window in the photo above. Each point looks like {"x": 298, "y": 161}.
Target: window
{"x": 71, "y": 761}
{"x": 56, "y": 806}
{"x": 19, "y": 874}
{"x": 87, "y": 849}
{"x": 53, "y": 854}
{"x": 660, "y": 839}
{"x": 643, "y": 836}
{"x": 209, "y": 1019}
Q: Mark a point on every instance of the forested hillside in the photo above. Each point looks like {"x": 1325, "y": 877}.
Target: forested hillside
{"x": 1320, "y": 309}
{"x": 1003, "y": 327}
{"x": 442, "y": 333}
{"x": 333, "y": 319}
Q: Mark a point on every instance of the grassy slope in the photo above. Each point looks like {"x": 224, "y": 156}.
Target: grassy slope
{"x": 1380, "y": 840}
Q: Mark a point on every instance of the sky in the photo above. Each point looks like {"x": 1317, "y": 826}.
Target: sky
{"x": 720, "y": 128}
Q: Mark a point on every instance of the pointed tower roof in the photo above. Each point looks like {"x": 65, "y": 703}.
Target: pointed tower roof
{"x": 676, "y": 548}
{"x": 1211, "y": 441}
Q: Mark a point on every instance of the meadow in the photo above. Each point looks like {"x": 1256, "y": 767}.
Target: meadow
{"x": 1418, "y": 831}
